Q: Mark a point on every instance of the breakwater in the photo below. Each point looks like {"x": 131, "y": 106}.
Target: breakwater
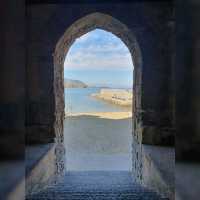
{"x": 120, "y": 97}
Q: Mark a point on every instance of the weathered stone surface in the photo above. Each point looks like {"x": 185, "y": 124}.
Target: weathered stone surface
{"x": 97, "y": 185}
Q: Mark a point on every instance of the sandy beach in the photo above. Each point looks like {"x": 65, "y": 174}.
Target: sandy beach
{"x": 104, "y": 115}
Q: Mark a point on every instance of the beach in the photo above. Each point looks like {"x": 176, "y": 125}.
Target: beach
{"x": 103, "y": 115}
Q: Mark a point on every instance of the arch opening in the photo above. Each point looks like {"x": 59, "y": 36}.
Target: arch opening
{"x": 98, "y": 79}
{"x": 76, "y": 30}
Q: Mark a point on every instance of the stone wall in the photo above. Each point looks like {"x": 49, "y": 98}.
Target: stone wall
{"x": 12, "y": 79}
{"x": 150, "y": 24}
{"x": 146, "y": 29}
{"x": 187, "y": 73}
{"x": 167, "y": 95}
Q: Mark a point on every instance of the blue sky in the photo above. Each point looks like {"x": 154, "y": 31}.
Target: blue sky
{"x": 99, "y": 58}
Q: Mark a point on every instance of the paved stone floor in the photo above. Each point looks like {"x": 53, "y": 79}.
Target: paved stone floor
{"x": 96, "y": 185}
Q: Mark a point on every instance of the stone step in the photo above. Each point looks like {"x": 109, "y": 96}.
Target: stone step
{"x": 96, "y": 185}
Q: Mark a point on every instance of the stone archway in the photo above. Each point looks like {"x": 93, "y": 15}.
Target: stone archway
{"x": 76, "y": 30}
{"x": 153, "y": 26}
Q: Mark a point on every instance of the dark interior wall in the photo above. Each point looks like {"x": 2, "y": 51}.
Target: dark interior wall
{"x": 45, "y": 25}
{"x": 156, "y": 77}
{"x": 12, "y": 79}
{"x": 40, "y": 100}
{"x": 187, "y": 81}
{"x": 150, "y": 24}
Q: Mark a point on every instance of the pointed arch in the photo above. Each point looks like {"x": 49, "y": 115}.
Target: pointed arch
{"x": 76, "y": 30}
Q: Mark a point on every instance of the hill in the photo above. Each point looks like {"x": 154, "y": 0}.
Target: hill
{"x": 69, "y": 83}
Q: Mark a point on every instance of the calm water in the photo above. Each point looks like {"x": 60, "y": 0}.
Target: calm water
{"x": 80, "y": 100}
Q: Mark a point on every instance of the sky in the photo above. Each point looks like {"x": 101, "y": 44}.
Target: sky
{"x": 99, "y": 58}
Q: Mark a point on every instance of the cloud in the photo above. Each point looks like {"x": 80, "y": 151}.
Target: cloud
{"x": 83, "y": 38}
{"x": 98, "y": 50}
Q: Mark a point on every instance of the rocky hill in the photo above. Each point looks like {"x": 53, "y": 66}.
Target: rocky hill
{"x": 69, "y": 83}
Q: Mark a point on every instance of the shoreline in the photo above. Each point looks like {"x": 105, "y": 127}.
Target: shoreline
{"x": 103, "y": 115}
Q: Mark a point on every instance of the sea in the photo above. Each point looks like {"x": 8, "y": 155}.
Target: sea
{"x": 79, "y": 100}
{"x": 95, "y": 144}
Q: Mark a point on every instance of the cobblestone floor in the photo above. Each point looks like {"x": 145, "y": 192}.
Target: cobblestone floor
{"x": 96, "y": 185}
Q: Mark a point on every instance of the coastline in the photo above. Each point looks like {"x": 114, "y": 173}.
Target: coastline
{"x": 102, "y": 115}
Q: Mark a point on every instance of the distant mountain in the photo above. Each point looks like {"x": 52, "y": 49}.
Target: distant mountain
{"x": 69, "y": 83}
